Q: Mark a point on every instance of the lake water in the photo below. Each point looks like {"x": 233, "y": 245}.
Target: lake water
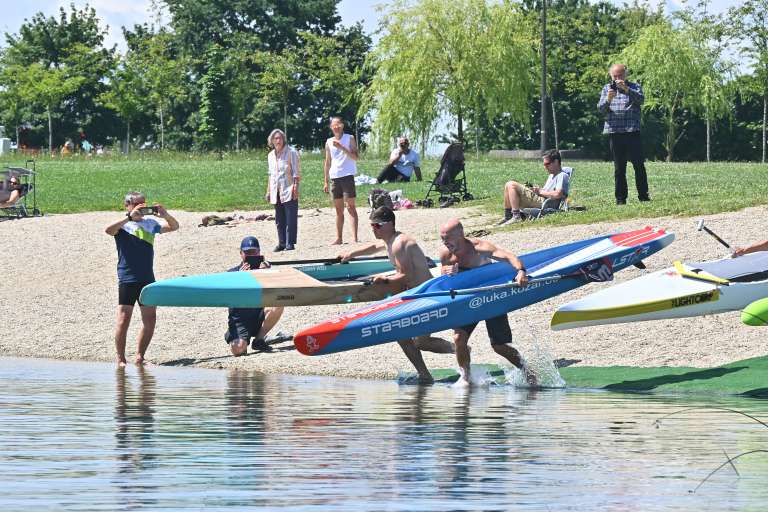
{"x": 85, "y": 436}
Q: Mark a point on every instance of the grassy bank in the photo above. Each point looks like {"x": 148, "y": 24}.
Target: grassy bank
{"x": 237, "y": 182}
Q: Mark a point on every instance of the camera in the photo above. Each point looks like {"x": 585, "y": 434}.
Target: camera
{"x": 148, "y": 210}
{"x": 254, "y": 261}
{"x": 613, "y": 86}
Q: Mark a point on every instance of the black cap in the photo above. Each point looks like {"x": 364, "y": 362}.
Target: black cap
{"x": 383, "y": 214}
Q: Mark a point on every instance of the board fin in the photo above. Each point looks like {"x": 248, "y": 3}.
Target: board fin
{"x": 640, "y": 265}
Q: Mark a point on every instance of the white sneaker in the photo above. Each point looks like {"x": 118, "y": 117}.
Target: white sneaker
{"x": 512, "y": 220}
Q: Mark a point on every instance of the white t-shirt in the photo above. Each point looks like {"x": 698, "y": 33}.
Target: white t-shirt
{"x": 341, "y": 163}
{"x": 405, "y": 163}
{"x": 560, "y": 180}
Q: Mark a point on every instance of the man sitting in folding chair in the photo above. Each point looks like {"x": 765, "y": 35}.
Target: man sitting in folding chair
{"x": 520, "y": 199}
{"x": 12, "y": 192}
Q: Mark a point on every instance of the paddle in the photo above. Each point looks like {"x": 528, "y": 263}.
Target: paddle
{"x": 701, "y": 227}
{"x": 599, "y": 270}
{"x": 326, "y": 261}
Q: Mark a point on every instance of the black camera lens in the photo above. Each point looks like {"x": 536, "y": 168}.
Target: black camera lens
{"x": 614, "y": 86}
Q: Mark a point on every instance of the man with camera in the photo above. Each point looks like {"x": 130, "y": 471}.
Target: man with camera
{"x": 135, "y": 237}
{"x": 620, "y": 103}
{"x": 247, "y": 323}
{"x": 403, "y": 163}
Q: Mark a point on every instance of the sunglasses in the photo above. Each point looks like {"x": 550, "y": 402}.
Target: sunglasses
{"x": 377, "y": 225}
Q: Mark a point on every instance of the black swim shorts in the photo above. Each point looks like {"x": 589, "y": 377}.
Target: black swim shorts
{"x": 128, "y": 293}
{"x": 498, "y": 329}
{"x": 343, "y": 187}
{"x": 244, "y": 329}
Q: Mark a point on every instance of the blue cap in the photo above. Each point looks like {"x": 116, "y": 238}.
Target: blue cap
{"x": 249, "y": 243}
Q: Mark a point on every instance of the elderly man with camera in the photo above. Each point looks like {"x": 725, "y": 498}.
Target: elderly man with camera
{"x": 135, "y": 238}
{"x": 403, "y": 163}
{"x": 620, "y": 103}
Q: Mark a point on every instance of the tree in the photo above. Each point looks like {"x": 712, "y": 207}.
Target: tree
{"x": 437, "y": 58}
{"x": 280, "y": 76}
{"x": 671, "y": 67}
{"x": 74, "y": 40}
{"x": 46, "y": 88}
{"x": 126, "y": 95}
{"x": 709, "y": 36}
{"x": 199, "y": 23}
{"x": 215, "y": 106}
{"x": 750, "y": 21}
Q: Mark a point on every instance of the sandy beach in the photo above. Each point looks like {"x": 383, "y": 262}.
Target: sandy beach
{"x": 60, "y": 295}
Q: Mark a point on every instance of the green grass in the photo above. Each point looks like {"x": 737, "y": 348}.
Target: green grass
{"x": 194, "y": 182}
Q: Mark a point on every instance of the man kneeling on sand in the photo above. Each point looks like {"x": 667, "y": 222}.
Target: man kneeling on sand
{"x": 411, "y": 270}
{"x": 460, "y": 253}
{"x": 247, "y": 323}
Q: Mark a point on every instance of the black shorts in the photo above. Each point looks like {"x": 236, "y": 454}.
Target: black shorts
{"x": 128, "y": 293}
{"x": 244, "y": 329}
{"x": 497, "y": 327}
{"x": 343, "y": 187}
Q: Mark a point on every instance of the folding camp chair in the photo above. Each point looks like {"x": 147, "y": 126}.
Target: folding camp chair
{"x": 551, "y": 205}
{"x": 450, "y": 182}
{"x": 26, "y": 206}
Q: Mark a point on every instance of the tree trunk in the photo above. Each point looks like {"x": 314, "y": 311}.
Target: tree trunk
{"x": 50, "y": 131}
{"x": 128, "y": 137}
{"x": 543, "y": 95}
{"x": 285, "y": 120}
{"x": 765, "y": 115}
{"x": 162, "y": 129}
{"x": 477, "y": 137}
{"x": 670, "y": 145}
{"x": 554, "y": 125}
{"x": 237, "y": 136}
{"x": 709, "y": 136}
{"x": 460, "y": 127}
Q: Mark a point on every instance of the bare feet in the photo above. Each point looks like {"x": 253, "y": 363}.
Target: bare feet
{"x": 121, "y": 362}
{"x": 336, "y": 242}
{"x": 463, "y": 381}
{"x": 140, "y": 360}
{"x": 530, "y": 376}
{"x": 426, "y": 379}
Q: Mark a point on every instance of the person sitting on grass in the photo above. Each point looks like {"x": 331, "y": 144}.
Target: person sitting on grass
{"x": 247, "y": 323}
{"x": 403, "y": 163}
{"x": 15, "y": 192}
{"x": 518, "y": 195}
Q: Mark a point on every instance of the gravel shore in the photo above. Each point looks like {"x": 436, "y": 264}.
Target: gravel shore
{"x": 60, "y": 295}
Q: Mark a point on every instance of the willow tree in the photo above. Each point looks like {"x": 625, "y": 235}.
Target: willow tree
{"x": 668, "y": 63}
{"x": 750, "y": 20}
{"x": 439, "y": 59}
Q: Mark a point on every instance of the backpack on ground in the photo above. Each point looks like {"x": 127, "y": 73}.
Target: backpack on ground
{"x": 378, "y": 197}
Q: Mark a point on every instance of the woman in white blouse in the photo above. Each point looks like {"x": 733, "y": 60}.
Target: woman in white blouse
{"x": 283, "y": 189}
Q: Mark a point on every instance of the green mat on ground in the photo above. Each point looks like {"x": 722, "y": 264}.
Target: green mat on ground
{"x": 747, "y": 378}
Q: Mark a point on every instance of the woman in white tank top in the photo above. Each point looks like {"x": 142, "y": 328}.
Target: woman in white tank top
{"x": 340, "y": 167}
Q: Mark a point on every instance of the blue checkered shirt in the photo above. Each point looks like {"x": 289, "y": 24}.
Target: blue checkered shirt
{"x": 622, "y": 114}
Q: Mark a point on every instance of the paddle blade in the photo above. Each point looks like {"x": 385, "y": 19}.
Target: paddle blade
{"x": 598, "y": 271}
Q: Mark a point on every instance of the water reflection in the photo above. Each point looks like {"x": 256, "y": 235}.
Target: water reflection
{"x": 183, "y": 438}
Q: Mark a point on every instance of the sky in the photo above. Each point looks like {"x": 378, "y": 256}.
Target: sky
{"x": 118, "y": 13}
